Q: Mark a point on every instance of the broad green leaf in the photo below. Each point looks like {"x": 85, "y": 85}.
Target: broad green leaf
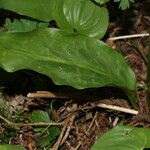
{"x": 11, "y": 147}
{"x": 74, "y": 60}
{"x": 39, "y": 116}
{"x": 23, "y": 25}
{"x": 81, "y": 16}
{"x": 124, "y": 138}
{"x": 38, "y": 9}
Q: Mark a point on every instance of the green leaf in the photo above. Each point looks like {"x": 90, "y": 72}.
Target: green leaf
{"x": 38, "y": 9}
{"x": 81, "y": 16}
{"x": 74, "y": 60}
{"x": 23, "y": 25}
{"x": 11, "y": 147}
{"x": 124, "y": 4}
{"x": 50, "y": 134}
{"x": 39, "y": 116}
{"x": 124, "y": 138}
{"x": 1, "y": 29}
{"x": 132, "y": 96}
{"x": 101, "y": 1}
{"x": 50, "y": 137}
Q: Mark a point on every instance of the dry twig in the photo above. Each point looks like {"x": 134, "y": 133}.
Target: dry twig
{"x": 128, "y": 36}
{"x": 93, "y": 120}
{"x": 78, "y": 146}
{"x": 45, "y": 94}
{"x": 117, "y": 108}
{"x": 57, "y": 144}
{"x": 32, "y": 124}
{"x": 68, "y": 130}
{"x": 115, "y": 121}
{"x": 69, "y": 146}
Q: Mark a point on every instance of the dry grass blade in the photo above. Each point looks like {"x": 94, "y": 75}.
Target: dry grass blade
{"x": 58, "y": 142}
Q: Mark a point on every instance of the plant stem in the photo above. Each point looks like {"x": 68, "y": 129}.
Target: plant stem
{"x": 32, "y": 124}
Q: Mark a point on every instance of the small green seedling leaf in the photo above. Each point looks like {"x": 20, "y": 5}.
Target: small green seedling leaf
{"x": 38, "y": 9}
{"x": 50, "y": 133}
{"x": 124, "y": 4}
{"x": 68, "y": 59}
{"x": 23, "y": 25}
{"x": 124, "y": 138}
{"x": 81, "y": 16}
{"x": 11, "y": 147}
{"x": 39, "y": 116}
{"x": 49, "y": 138}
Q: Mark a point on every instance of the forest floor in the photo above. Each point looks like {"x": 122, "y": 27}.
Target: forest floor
{"x": 83, "y": 120}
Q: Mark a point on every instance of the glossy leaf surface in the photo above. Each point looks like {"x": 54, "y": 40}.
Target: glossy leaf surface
{"x": 81, "y": 16}
{"x": 38, "y": 9}
{"x": 124, "y": 138}
{"x": 73, "y": 60}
